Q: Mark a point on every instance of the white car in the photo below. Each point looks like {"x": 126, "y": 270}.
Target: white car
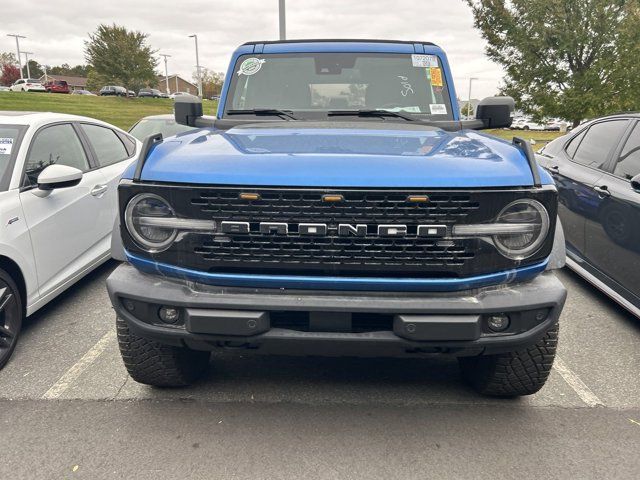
{"x": 27, "y": 85}
{"x": 526, "y": 124}
{"x": 177, "y": 94}
{"x": 58, "y": 197}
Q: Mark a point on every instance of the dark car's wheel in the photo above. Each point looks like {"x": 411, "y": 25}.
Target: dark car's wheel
{"x": 11, "y": 313}
{"x": 157, "y": 364}
{"x": 512, "y": 374}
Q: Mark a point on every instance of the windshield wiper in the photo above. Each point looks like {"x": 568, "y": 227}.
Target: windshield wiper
{"x": 373, "y": 113}
{"x": 264, "y": 111}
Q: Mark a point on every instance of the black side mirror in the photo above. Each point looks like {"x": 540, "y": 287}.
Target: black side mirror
{"x": 635, "y": 183}
{"x": 187, "y": 109}
{"x": 496, "y": 112}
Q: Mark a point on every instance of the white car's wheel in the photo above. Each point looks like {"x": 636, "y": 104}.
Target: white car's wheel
{"x": 10, "y": 316}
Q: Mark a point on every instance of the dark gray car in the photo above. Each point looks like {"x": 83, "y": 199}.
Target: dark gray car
{"x": 597, "y": 171}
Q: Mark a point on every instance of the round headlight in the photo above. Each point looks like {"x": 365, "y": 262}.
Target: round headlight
{"x": 144, "y": 219}
{"x": 531, "y": 222}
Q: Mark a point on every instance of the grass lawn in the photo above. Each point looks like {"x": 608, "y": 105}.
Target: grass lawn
{"x": 541, "y": 138}
{"x": 122, "y": 112}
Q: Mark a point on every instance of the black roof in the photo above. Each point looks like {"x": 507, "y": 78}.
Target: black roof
{"x": 341, "y": 40}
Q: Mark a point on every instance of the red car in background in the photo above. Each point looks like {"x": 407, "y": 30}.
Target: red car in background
{"x": 57, "y": 86}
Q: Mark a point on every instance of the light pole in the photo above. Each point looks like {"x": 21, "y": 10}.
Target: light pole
{"x": 166, "y": 71}
{"x": 195, "y": 36}
{"x": 18, "y": 48}
{"x": 471, "y": 79}
{"x": 26, "y": 58}
{"x": 283, "y": 19}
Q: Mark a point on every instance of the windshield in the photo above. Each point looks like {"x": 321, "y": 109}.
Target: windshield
{"x": 10, "y": 136}
{"x": 317, "y": 82}
{"x": 167, "y": 127}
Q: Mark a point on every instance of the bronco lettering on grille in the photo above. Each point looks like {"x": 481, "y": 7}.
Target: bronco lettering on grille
{"x": 322, "y": 229}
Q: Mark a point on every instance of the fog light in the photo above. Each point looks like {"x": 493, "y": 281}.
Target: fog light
{"x": 169, "y": 314}
{"x": 498, "y": 322}
{"x": 129, "y": 305}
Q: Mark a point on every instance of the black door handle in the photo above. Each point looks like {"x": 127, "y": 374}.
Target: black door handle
{"x": 602, "y": 190}
{"x": 554, "y": 168}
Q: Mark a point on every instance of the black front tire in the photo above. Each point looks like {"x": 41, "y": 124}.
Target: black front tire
{"x": 11, "y": 316}
{"x": 522, "y": 372}
{"x": 157, "y": 364}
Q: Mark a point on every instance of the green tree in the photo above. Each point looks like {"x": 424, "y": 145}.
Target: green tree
{"x": 211, "y": 82}
{"x": 96, "y": 81}
{"x": 573, "y": 59}
{"x": 66, "y": 69}
{"x": 7, "y": 58}
{"x": 35, "y": 69}
{"x": 122, "y": 57}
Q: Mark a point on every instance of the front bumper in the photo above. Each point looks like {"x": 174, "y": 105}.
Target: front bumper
{"x": 269, "y": 320}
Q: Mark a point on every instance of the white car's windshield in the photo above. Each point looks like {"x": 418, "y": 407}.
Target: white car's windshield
{"x": 167, "y": 127}
{"x": 316, "y": 82}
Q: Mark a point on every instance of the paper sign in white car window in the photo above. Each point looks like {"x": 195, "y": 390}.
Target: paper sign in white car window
{"x": 6, "y": 144}
{"x": 424, "y": 61}
{"x": 438, "y": 109}
{"x": 250, "y": 66}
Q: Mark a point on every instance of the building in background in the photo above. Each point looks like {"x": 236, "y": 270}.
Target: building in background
{"x": 75, "y": 83}
{"x": 176, "y": 84}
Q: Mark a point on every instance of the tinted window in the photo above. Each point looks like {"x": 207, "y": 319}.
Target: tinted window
{"x": 628, "y": 165}
{"x": 598, "y": 143}
{"x": 58, "y": 145}
{"x": 107, "y": 145}
{"x": 9, "y": 145}
{"x": 573, "y": 144}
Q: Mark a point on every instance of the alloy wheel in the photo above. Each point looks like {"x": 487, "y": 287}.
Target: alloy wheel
{"x": 10, "y": 321}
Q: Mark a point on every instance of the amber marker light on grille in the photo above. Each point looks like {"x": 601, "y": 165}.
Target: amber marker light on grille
{"x": 332, "y": 198}
{"x": 417, "y": 199}
{"x": 249, "y": 196}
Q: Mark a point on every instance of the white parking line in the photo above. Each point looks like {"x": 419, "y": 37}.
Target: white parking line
{"x": 584, "y": 392}
{"x": 80, "y": 366}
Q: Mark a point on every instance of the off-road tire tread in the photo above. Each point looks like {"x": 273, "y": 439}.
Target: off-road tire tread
{"x": 157, "y": 364}
{"x": 522, "y": 372}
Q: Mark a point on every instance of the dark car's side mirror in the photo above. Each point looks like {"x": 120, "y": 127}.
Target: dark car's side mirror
{"x": 635, "y": 183}
{"x": 496, "y": 112}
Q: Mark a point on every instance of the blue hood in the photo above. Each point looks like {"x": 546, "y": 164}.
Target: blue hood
{"x": 345, "y": 155}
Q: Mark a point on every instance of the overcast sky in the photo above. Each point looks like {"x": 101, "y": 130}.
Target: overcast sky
{"x": 56, "y": 29}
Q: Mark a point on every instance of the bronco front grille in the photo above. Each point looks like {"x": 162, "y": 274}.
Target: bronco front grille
{"x": 357, "y": 207}
{"x": 331, "y": 254}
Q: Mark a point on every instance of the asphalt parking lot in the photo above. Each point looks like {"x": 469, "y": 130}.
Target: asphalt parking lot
{"x": 69, "y": 410}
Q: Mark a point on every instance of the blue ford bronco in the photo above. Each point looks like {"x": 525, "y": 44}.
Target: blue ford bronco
{"x": 338, "y": 205}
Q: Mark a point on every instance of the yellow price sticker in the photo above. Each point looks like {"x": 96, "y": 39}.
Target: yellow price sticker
{"x": 436, "y": 77}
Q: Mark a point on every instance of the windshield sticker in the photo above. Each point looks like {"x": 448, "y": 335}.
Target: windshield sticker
{"x": 438, "y": 109}
{"x": 424, "y": 61}
{"x": 250, "y": 66}
{"x": 405, "y": 86}
{"x": 6, "y": 144}
{"x": 409, "y": 109}
{"x": 436, "y": 76}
